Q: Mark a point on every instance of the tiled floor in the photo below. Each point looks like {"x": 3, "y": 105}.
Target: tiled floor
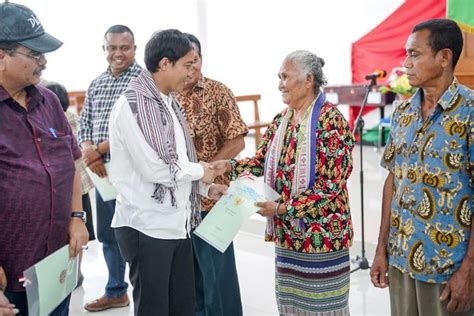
{"x": 255, "y": 261}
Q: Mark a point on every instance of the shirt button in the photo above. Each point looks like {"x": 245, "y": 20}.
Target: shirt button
{"x": 38, "y": 139}
{"x": 54, "y": 190}
{"x": 48, "y": 165}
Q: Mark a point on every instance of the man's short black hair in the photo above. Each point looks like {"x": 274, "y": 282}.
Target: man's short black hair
{"x": 444, "y": 33}
{"x": 194, "y": 40}
{"x": 118, "y": 29}
{"x": 171, "y": 44}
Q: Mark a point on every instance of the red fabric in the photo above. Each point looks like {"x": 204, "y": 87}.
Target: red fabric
{"x": 384, "y": 46}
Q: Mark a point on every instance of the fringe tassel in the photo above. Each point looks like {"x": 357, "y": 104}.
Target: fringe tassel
{"x": 195, "y": 206}
{"x": 159, "y": 193}
{"x": 173, "y": 197}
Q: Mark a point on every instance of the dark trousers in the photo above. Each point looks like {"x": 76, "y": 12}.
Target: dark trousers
{"x": 217, "y": 284}
{"x": 21, "y": 303}
{"x": 161, "y": 273}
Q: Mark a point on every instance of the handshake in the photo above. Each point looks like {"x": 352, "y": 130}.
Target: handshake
{"x": 214, "y": 169}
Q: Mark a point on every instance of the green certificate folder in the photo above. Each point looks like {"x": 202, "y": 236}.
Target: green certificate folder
{"x": 106, "y": 190}
{"x": 224, "y": 220}
{"x": 50, "y": 281}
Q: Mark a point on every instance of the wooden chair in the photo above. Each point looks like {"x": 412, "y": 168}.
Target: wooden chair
{"x": 76, "y": 98}
{"x": 256, "y": 124}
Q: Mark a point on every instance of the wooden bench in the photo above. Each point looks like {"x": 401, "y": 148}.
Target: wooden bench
{"x": 76, "y": 99}
{"x": 256, "y": 124}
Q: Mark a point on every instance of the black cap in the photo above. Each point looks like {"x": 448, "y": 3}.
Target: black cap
{"x": 18, "y": 24}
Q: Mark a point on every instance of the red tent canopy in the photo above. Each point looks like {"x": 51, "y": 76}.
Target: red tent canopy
{"x": 384, "y": 46}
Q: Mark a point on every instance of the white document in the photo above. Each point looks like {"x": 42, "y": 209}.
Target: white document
{"x": 223, "y": 222}
{"x": 50, "y": 281}
{"x": 106, "y": 190}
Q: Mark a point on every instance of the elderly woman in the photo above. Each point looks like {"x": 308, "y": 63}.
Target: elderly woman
{"x": 305, "y": 156}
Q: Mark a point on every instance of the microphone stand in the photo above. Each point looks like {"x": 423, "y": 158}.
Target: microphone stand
{"x": 361, "y": 261}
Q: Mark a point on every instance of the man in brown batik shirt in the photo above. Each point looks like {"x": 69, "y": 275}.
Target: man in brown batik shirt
{"x": 218, "y": 133}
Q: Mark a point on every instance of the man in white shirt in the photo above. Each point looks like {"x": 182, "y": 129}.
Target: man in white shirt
{"x": 155, "y": 169}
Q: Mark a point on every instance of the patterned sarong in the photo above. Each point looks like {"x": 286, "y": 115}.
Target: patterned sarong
{"x": 314, "y": 284}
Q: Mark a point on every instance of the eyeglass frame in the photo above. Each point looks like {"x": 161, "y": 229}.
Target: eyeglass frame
{"x": 37, "y": 56}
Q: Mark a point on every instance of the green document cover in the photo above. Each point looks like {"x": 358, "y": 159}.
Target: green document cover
{"x": 106, "y": 190}
{"x": 50, "y": 281}
{"x": 224, "y": 220}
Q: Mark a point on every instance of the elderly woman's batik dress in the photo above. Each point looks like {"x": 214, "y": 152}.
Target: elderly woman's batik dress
{"x": 308, "y": 164}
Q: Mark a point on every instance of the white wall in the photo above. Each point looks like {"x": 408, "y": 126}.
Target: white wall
{"x": 81, "y": 25}
{"x": 244, "y": 41}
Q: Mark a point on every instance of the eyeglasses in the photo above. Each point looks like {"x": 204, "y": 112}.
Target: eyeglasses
{"x": 37, "y": 56}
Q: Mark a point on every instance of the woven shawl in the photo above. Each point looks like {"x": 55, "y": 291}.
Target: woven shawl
{"x": 305, "y": 154}
{"x": 156, "y": 123}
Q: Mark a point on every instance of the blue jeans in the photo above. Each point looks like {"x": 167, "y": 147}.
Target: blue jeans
{"x": 20, "y": 301}
{"x": 116, "y": 285}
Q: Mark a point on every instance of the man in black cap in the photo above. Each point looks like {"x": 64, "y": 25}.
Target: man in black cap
{"x": 40, "y": 200}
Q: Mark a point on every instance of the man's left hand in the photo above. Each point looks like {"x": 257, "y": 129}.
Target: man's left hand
{"x": 460, "y": 290}
{"x": 78, "y": 236}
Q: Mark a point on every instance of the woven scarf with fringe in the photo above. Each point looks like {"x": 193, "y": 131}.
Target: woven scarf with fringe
{"x": 305, "y": 154}
{"x": 156, "y": 123}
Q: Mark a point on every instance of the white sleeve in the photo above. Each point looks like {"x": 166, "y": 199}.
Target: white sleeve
{"x": 125, "y": 135}
{"x": 204, "y": 189}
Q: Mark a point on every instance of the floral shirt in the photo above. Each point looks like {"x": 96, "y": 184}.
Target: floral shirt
{"x": 432, "y": 163}
{"x": 213, "y": 118}
{"x": 317, "y": 220}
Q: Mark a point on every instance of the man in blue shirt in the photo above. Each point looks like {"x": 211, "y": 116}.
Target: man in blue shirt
{"x": 426, "y": 243}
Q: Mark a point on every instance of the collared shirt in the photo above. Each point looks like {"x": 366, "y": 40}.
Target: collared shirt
{"x": 86, "y": 181}
{"x": 433, "y": 166}
{"x": 135, "y": 167}
{"x": 100, "y": 98}
{"x": 213, "y": 118}
{"x": 37, "y": 153}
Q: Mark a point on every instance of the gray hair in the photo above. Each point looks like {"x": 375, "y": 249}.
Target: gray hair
{"x": 309, "y": 64}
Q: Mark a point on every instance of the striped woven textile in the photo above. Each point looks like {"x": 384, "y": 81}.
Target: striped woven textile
{"x": 315, "y": 284}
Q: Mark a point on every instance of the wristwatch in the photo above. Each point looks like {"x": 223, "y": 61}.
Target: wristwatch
{"x": 81, "y": 215}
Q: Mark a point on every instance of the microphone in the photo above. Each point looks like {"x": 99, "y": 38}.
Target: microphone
{"x": 378, "y": 74}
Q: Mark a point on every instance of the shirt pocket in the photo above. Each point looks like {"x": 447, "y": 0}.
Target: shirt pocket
{"x": 59, "y": 157}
